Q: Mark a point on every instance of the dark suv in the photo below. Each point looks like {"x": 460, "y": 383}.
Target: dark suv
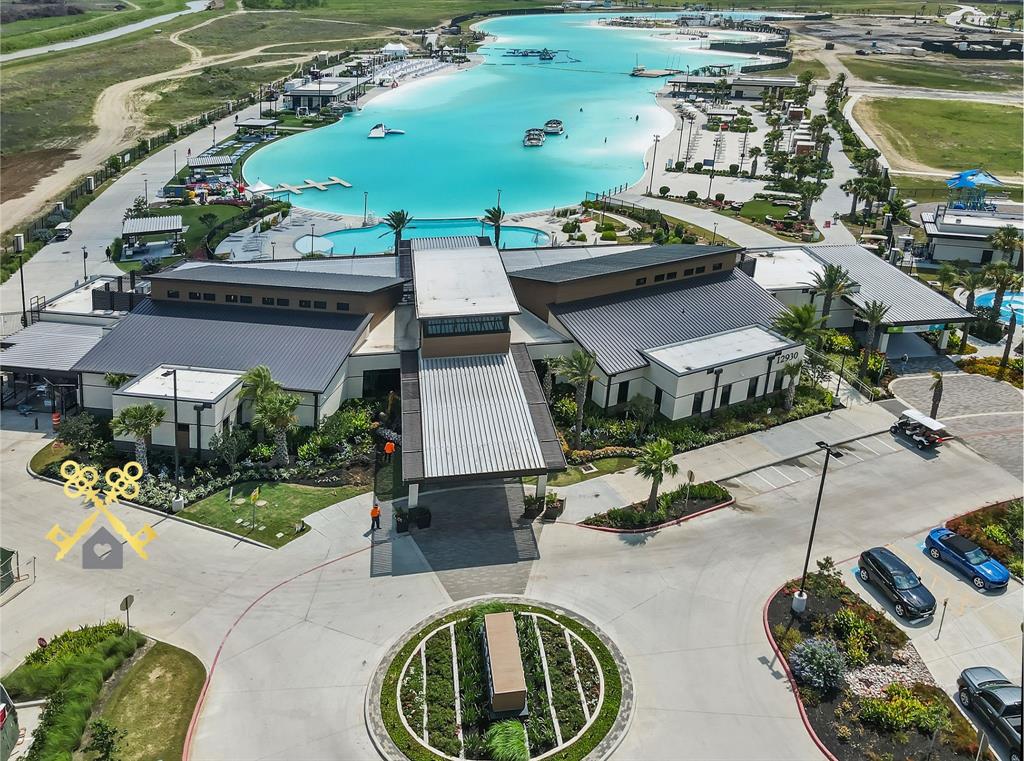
{"x": 996, "y": 700}
{"x": 897, "y": 581}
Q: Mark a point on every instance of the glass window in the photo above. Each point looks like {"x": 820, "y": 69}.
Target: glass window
{"x": 659, "y": 278}
{"x": 698, "y": 403}
{"x": 283, "y": 302}
{"x": 641, "y": 281}
{"x": 688, "y": 271}
{"x": 267, "y": 301}
{"x": 699, "y": 270}
{"x": 466, "y": 326}
{"x": 304, "y": 303}
{"x": 231, "y": 298}
{"x": 245, "y": 299}
{"x": 658, "y": 393}
{"x": 907, "y": 580}
{"x": 342, "y": 306}
{"x": 623, "y": 396}
{"x": 752, "y": 388}
{"x": 715, "y": 267}
{"x": 670, "y": 276}
{"x": 194, "y": 295}
{"x": 173, "y": 294}
{"x": 726, "y": 395}
{"x": 209, "y": 297}
{"x": 319, "y": 305}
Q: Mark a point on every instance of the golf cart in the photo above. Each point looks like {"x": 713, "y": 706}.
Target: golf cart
{"x": 925, "y": 432}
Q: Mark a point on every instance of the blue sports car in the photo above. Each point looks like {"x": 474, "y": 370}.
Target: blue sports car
{"x": 984, "y": 571}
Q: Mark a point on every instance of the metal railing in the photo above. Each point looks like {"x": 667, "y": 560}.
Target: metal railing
{"x": 844, "y": 370}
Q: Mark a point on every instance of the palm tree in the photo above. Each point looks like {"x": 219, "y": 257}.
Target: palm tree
{"x": 971, "y": 282}
{"x": 754, "y": 153}
{"x": 809, "y": 193}
{"x": 899, "y": 210}
{"x": 823, "y": 141}
{"x": 257, "y": 383}
{"x": 1002, "y": 276}
{"x": 833, "y": 281}
{"x": 799, "y": 322}
{"x": 852, "y": 188}
{"x": 791, "y": 370}
{"x": 397, "y": 221}
{"x": 654, "y": 463}
{"x": 936, "y": 393}
{"x": 495, "y": 216}
{"x": 873, "y": 313}
{"x": 578, "y": 370}
{"x": 1010, "y": 331}
{"x": 138, "y": 422}
{"x": 947, "y": 276}
{"x": 275, "y": 413}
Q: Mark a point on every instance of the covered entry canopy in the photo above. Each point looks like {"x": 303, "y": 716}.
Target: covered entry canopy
{"x": 170, "y": 223}
{"x": 48, "y": 347}
{"x": 477, "y": 416}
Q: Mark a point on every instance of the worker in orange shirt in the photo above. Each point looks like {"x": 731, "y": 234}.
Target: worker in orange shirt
{"x": 375, "y": 516}
{"x": 389, "y": 449}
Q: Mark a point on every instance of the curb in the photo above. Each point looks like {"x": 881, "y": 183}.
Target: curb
{"x": 386, "y": 747}
{"x": 673, "y": 522}
{"x": 162, "y": 514}
{"x": 792, "y": 682}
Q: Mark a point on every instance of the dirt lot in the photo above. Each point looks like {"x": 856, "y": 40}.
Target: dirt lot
{"x": 20, "y": 172}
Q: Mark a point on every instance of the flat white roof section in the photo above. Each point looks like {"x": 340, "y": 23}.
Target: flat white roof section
{"x": 194, "y": 384}
{"x": 475, "y": 418}
{"x": 784, "y": 268}
{"x": 719, "y": 349}
{"x": 461, "y": 282}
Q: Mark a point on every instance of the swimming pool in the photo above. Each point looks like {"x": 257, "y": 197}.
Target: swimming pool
{"x": 379, "y": 238}
{"x": 1011, "y": 300}
{"x": 463, "y": 131}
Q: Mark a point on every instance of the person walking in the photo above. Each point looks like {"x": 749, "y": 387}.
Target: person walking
{"x": 375, "y": 517}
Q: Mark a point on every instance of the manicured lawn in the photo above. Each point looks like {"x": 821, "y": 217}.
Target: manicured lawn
{"x": 45, "y": 457}
{"x": 574, "y": 475}
{"x": 950, "y": 134}
{"x": 153, "y": 703}
{"x": 946, "y": 76}
{"x": 757, "y": 209}
{"x": 287, "y": 504}
{"x": 190, "y": 218}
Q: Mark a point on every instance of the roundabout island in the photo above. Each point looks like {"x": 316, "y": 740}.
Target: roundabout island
{"x": 501, "y": 678}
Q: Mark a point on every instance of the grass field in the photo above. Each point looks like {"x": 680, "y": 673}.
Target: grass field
{"x": 30, "y": 33}
{"x": 574, "y": 475}
{"x": 190, "y": 218}
{"x": 984, "y": 77}
{"x": 235, "y": 33}
{"x": 153, "y": 703}
{"x": 287, "y": 504}
{"x": 802, "y": 61}
{"x": 949, "y": 134}
{"x": 53, "y": 452}
{"x": 925, "y": 189}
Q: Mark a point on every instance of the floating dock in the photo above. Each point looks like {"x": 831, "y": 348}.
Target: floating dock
{"x": 309, "y": 184}
{"x": 655, "y": 73}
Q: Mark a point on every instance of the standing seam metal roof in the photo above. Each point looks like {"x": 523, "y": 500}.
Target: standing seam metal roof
{"x": 49, "y": 346}
{"x": 148, "y": 225}
{"x": 304, "y": 351}
{"x": 475, "y": 417}
{"x": 910, "y": 301}
{"x": 279, "y": 278}
{"x": 617, "y": 328}
{"x": 621, "y": 262}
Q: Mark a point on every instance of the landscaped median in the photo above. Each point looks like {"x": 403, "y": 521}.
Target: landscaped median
{"x": 998, "y": 529}
{"x": 673, "y": 507}
{"x": 430, "y": 699}
{"x": 861, "y": 687}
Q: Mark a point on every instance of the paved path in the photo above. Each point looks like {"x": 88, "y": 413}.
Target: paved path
{"x": 193, "y": 7}
{"x": 983, "y": 412}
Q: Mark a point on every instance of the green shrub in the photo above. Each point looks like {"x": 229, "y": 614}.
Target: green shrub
{"x": 75, "y": 642}
{"x": 609, "y": 235}
{"x": 263, "y": 452}
{"x": 720, "y": 197}
{"x": 506, "y": 741}
{"x": 664, "y": 190}
{"x": 787, "y": 638}
{"x": 898, "y": 711}
{"x": 818, "y": 664}
{"x": 564, "y": 410}
{"x": 998, "y": 533}
{"x": 691, "y": 195}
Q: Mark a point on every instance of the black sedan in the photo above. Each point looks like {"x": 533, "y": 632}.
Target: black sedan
{"x": 897, "y": 581}
{"x": 996, "y": 700}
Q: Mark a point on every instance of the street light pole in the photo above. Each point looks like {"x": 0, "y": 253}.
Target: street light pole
{"x": 85, "y": 270}
{"x": 21, "y": 275}
{"x": 714, "y": 234}
{"x": 800, "y": 598}
{"x": 173, "y": 372}
{"x": 366, "y": 200}
{"x": 689, "y": 136}
{"x": 312, "y": 227}
{"x": 654, "y": 163}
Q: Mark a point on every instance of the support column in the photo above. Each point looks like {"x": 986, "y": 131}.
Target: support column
{"x": 542, "y": 485}
{"x": 943, "y": 339}
{"x": 414, "y": 495}
{"x": 883, "y": 342}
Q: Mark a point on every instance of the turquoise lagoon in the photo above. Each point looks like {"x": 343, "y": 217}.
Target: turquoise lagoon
{"x": 464, "y": 131}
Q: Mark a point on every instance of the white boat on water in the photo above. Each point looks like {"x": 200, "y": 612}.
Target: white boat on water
{"x": 381, "y": 130}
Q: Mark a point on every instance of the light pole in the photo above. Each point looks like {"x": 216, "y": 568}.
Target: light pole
{"x": 21, "y": 275}
{"x": 311, "y": 238}
{"x": 85, "y": 270}
{"x": 173, "y": 373}
{"x": 174, "y": 151}
{"x": 366, "y": 198}
{"x": 273, "y": 250}
{"x": 714, "y": 234}
{"x": 689, "y": 136}
{"x": 654, "y": 163}
{"x": 800, "y": 598}
{"x": 145, "y": 189}
{"x": 679, "y": 148}
{"x": 214, "y": 134}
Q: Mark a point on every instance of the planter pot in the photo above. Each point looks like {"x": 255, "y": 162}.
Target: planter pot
{"x": 552, "y": 511}
{"x": 401, "y": 524}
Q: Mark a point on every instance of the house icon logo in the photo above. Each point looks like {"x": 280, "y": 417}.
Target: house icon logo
{"x": 102, "y": 551}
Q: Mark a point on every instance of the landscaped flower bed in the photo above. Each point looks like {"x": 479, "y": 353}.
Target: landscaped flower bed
{"x": 989, "y": 367}
{"x": 998, "y": 529}
{"x": 574, "y": 689}
{"x": 864, "y": 689}
{"x": 672, "y": 505}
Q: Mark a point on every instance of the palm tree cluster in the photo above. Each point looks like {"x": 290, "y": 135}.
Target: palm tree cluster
{"x": 578, "y": 370}
{"x": 137, "y": 422}
{"x": 273, "y": 409}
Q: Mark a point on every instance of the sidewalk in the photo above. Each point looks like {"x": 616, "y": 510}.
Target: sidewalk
{"x": 728, "y": 458}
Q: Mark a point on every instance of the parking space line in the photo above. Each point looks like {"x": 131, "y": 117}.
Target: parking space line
{"x": 755, "y": 473}
{"x": 885, "y": 444}
{"x": 849, "y": 451}
{"x": 742, "y": 483}
{"x": 802, "y": 469}
{"x": 791, "y": 480}
{"x": 819, "y": 463}
{"x": 865, "y": 445}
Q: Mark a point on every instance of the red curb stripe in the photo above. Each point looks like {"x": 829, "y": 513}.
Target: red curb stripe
{"x": 193, "y": 723}
{"x": 792, "y": 681}
{"x": 673, "y": 522}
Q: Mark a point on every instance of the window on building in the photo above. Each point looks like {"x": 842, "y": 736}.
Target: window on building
{"x": 194, "y": 295}
{"x": 209, "y": 297}
{"x": 174, "y": 294}
{"x": 778, "y": 381}
{"x": 231, "y": 298}
{"x": 641, "y": 281}
{"x": 658, "y": 394}
{"x": 716, "y": 267}
{"x": 342, "y": 306}
{"x": 670, "y": 276}
{"x": 623, "y": 395}
{"x": 267, "y": 301}
{"x": 699, "y": 270}
{"x": 319, "y": 305}
{"x": 688, "y": 271}
{"x": 304, "y": 303}
{"x": 752, "y": 388}
{"x": 283, "y": 302}
{"x": 726, "y": 395}
{"x": 698, "y": 403}
{"x": 245, "y": 299}
{"x": 659, "y": 278}
{"x": 466, "y": 326}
